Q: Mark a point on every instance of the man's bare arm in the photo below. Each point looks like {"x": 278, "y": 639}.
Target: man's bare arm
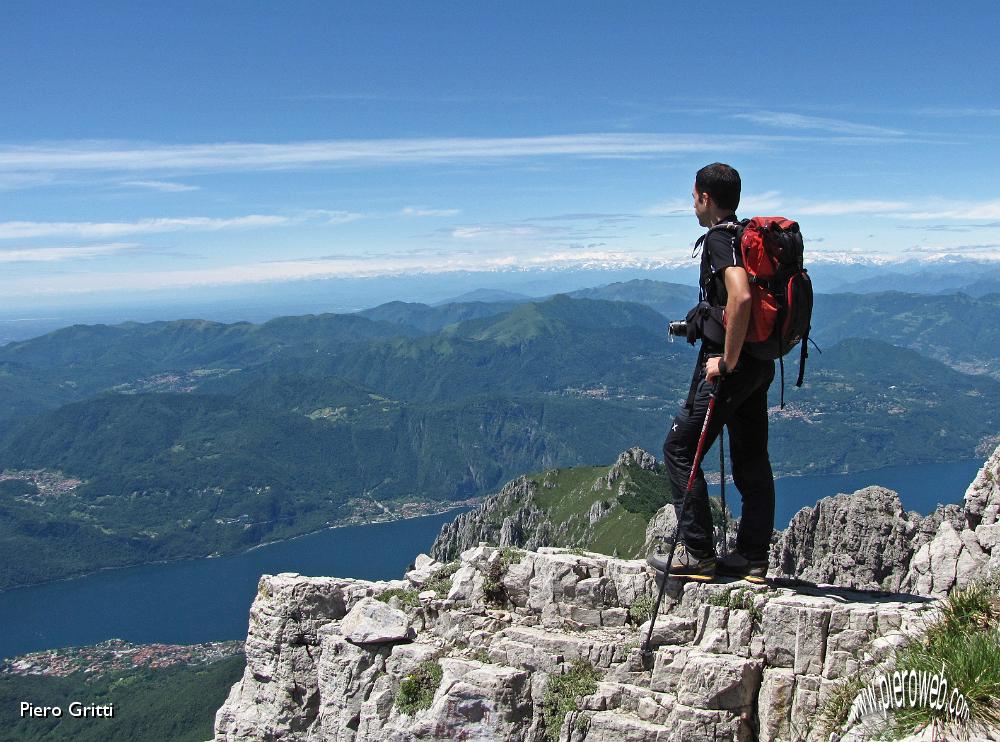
{"x": 737, "y": 319}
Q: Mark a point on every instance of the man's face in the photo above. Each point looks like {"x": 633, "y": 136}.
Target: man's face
{"x": 701, "y": 202}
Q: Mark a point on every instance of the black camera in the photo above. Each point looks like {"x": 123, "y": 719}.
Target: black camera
{"x": 678, "y": 328}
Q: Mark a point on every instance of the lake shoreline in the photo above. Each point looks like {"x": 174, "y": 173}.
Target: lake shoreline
{"x": 472, "y": 502}
{"x": 217, "y": 555}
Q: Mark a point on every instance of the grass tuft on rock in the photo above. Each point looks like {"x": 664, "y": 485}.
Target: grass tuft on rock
{"x": 740, "y": 599}
{"x": 493, "y": 589}
{"x": 562, "y": 692}
{"x": 407, "y": 597}
{"x": 416, "y": 691}
{"x": 641, "y": 610}
{"x": 442, "y": 579}
{"x": 965, "y": 641}
{"x": 964, "y": 645}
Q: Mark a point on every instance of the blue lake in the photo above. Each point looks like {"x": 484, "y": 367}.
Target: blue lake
{"x": 209, "y": 599}
{"x": 921, "y": 487}
{"x": 199, "y": 600}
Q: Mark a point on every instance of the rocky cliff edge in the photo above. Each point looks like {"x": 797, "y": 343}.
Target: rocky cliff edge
{"x": 328, "y": 660}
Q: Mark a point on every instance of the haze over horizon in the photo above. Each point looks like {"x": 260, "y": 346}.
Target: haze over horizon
{"x": 153, "y": 150}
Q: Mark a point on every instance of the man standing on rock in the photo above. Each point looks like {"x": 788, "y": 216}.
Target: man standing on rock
{"x": 740, "y": 383}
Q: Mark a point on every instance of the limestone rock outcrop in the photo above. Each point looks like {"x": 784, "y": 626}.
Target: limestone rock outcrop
{"x": 508, "y": 518}
{"x": 730, "y": 661}
{"x": 960, "y": 551}
{"x": 861, "y": 540}
{"x": 327, "y": 660}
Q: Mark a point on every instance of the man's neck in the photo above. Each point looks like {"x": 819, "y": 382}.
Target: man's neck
{"x": 723, "y": 216}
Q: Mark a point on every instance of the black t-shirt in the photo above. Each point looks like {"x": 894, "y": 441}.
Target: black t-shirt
{"x": 719, "y": 251}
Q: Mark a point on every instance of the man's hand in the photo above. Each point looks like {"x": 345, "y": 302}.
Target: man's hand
{"x": 712, "y": 368}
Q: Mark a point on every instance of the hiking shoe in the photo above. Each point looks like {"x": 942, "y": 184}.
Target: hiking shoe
{"x": 685, "y": 564}
{"x": 735, "y": 564}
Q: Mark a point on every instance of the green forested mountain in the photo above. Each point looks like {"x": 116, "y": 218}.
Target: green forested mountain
{"x": 196, "y": 438}
{"x": 176, "y": 703}
{"x": 83, "y": 360}
{"x": 431, "y": 319}
{"x": 955, "y": 328}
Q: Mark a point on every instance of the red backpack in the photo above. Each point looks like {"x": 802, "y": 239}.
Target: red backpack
{"x": 780, "y": 289}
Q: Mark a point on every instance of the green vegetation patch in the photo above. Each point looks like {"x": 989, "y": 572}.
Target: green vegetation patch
{"x": 740, "y": 599}
{"x": 965, "y": 641}
{"x": 176, "y": 703}
{"x": 641, "y": 610}
{"x": 562, "y": 692}
{"x": 963, "y": 645}
{"x": 442, "y": 579}
{"x": 407, "y": 597}
{"x": 416, "y": 692}
{"x": 493, "y": 589}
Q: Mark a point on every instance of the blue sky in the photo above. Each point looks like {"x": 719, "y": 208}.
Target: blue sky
{"x": 166, "y": 145}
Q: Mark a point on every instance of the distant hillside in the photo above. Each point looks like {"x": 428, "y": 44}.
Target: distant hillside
{"x": 672, "y": 300}
{"x": 486, "y": 295}
{"x": 433, "y": 318}
{"x": 303, "y": 422}
{"x": 175, "y": 703}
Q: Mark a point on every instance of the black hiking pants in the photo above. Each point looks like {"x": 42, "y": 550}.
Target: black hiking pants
{"x": 740, "y": 405}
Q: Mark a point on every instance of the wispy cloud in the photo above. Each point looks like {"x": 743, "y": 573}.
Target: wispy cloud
{"x": 419, "y": 211}
{"x": 57, "y": 254}
{"x": 332, "y": 216}
{"x": 798, "y": 121}
{"x": 104, "y": 230}
{"x": 856, "y": 206}
{"x": 165, "y": 186}
{"x": 948, "y": 112}
{"x": 229, "y": 156}
{"x": 332, "y": 267}
{"x": 10, "y": 181}
{"x": 494, "y": 232}
{"x": 953, "y": 210}
{"x": 755, "y": 203}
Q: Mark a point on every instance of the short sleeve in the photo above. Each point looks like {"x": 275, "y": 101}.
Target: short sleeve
{"x": 722, "y": 251}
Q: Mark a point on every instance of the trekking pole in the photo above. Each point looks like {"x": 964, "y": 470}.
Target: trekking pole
{"x": 699, "y": 451}
{"x": 722, "y": 492}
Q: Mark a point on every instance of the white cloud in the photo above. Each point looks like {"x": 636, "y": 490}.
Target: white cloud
{"x": 104, "y": 230}
{"x": 15, "y": 180}
{"x": 756, "y": 203}
{"x": 955, "y": 112}
{"x": 342, "y": 266}
{"x": 228, "y": 156}
{"x": 418, "y": 211}
{"x": 333, "y": 216}
{"x": 817, "y": 123}
{"x": 493, "y": 232}
{"x": 165, "y": 186}
{"x": 856, "y": 206}
{"x": 963, "y": 210}
{"x": 56, "y": 254}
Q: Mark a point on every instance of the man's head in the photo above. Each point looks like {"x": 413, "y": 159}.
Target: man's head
{"x": 716, "y": 193}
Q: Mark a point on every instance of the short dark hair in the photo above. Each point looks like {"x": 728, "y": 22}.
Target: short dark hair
{"x": 721, "y": 182}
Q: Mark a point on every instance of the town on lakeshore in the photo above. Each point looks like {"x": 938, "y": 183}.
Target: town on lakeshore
{"x": 116, "y": 655}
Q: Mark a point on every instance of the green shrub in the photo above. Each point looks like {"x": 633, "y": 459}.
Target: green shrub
{"x": 740, "y": 599}
{"x": 641, "y": 610}
{"x": 407, "y": 597}
{"x": 493, "y": 588}
{"x": 561, "y": 693}
{"x": 416, "y": 691}
{"x": 480, "y": 655}
{"x": 442, "y": 579}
